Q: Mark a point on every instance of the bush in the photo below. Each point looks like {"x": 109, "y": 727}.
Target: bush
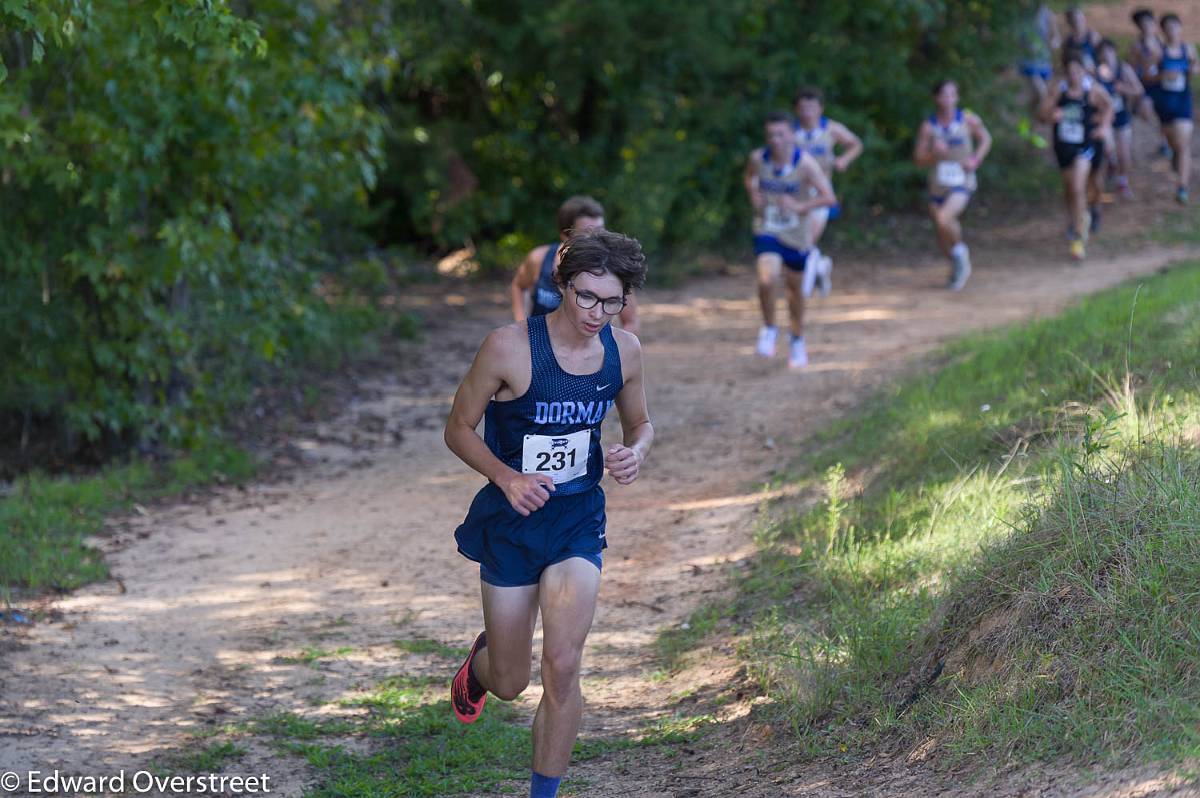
{"x": 500, "y": 110}
{"x": 169, "y": 172}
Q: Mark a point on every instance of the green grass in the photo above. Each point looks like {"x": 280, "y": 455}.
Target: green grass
{"x": 423, "y": 645}
{"x": 312, "y": 655}
{"x": 46, "y": 519}
{"x": 1007, "y": 558}
{"x": 210, "y": 759}
{"x": 406, "y": 742}
{"x": 413, "y": 745}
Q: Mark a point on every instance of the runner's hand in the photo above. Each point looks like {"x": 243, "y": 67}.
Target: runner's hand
{"x": 1102, "y": 133}
{"x": 527, "y": 493}
{"x": 758, "y": 200}
{"x": 841, "y": 164}
{"x": 970, "y": 163}
{"x": 622, "y": 463}
{"x": 940, "y": 150}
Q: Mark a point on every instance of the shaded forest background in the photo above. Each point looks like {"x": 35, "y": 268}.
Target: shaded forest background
{"x": 194, "y": 192}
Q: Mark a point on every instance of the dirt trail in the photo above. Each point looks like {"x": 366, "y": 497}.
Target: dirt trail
{"x": 356, "y": 550}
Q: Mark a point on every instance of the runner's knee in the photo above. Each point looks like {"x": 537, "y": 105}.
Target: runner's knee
{"x": 560, "y": 670}
{"x": 506, "y": 683}
{"x": 792, "y": 287}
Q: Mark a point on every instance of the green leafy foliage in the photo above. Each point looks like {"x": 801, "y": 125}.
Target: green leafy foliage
{"x": 182, "y": 181}
{"x": 170, "y": 174}
{"x": 500, "y": 110}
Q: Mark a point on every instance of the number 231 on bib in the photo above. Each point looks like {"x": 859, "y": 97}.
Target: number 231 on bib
{"x": 560, "y": 457}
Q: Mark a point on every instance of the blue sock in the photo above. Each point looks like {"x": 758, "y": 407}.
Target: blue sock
{"x": 543, "y": 786}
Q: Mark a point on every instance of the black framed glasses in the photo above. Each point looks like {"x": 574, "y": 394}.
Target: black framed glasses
{"x": 611, "y": 306}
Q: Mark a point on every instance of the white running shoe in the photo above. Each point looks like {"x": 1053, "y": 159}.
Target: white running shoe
{"x": 962, "y": 269}
{"x": 797, "y": 354}
{"x": 809, "y": 278}
{"x": 825, "y": 276}
{"x": 766, "y": 342}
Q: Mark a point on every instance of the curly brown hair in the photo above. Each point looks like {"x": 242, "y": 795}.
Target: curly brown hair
{"x": 601, "y": 252}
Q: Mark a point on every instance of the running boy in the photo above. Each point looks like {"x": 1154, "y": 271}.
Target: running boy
{"x": 537, "y": 529}
{"x": 784, "y": 184}
{"x": 534, "y": 291}
{"x": 951, "y": 143}
{"x": 1082, "y": 112}
{"x": 1172, "y": 82}
{"x": 1121, "y": 81}
{"x": 821, "y": 137}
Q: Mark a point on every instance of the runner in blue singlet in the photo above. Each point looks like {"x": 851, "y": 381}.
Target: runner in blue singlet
{"x": 538, "y": 529}
{"x": 1121, "y": 81}
{"x": 534, "y": 291}
{"x": 1144, "y": 54}
{"x": 1081, "y": 40}
{"x": 1173, "y": 98}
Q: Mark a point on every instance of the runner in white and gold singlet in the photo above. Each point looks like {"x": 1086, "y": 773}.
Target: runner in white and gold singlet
{"x": 822, "y": 137}
{"x": 951, "y": 143}
{"x": 784, "y": 184}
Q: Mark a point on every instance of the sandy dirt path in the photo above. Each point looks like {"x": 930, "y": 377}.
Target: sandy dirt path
{"x": 355, "y": 550}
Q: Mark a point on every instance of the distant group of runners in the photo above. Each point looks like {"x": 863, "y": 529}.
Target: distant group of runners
{"x": 543, "y": 385}
{"x": 1092, "y": 107}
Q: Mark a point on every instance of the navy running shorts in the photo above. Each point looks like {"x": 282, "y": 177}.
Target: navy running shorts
{"x": 794, "y": 259}
{"x": 1066, "y": 154}
{"x": 938, "y": 199}
{"x": 1171, "y": 106}
{"x": 513, "y": 550}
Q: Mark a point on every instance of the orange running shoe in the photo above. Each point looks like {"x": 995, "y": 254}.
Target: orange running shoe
{"x": 466, "y": 709}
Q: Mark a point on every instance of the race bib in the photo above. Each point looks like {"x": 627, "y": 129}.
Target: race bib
{"x": 951, "y": 174}
{"x": 1174, "y": 81}
{"x": 1118, "y": 104}
{"x": 1070, "y": 132}
{"x": 777, "y": 219}
{"x": 560, "y": 457}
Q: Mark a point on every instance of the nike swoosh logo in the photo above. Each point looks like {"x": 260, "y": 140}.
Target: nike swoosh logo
{"x": 602, "y": 387}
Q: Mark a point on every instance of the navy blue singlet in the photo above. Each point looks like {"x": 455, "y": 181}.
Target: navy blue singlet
{"x": 557, "y": 403}
{"x": 1086, "y": 49}
{"x": 1176, "y": 63}
{"x": 546, "y": 296}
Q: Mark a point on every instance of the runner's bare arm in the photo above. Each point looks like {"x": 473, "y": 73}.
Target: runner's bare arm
{"x": 624, "y": 460}
{"x": 852, "y": 145}
{"x": 492, "y": 370}
{"x": 816, "y": 177}
{"x": 923, "y": 154}
{"x": 1130, "y": 84}
{"x": 1193, "y": 66}
{"x": 521, "y": 288}
{"x": 629, "y": 316}
{"x": 750, "y": 181}
{"x": 1049, "y": 111}
{"x": 983, "y": 137}
{"x": 1104, "y": 104}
